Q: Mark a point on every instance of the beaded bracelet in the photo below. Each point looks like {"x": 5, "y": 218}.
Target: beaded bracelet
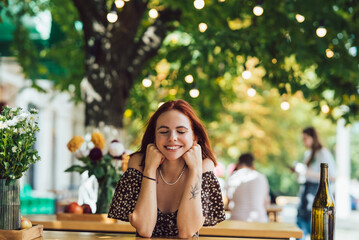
{"x": 153, "y": 179}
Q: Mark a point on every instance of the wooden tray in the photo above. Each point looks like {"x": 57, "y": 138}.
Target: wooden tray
{"x": 23, "y": 234}
{"x": 84, "y": 217}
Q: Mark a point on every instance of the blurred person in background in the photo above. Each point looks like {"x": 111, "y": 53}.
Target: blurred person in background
{"x": 309, "y": 176}
{"x": 248, "y": 192}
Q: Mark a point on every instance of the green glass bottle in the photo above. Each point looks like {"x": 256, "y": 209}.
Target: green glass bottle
{"x": 323, "y": 212}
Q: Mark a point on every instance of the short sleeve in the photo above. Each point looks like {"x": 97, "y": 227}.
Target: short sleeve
{"x": 212, "y": 203}
{"x": 126, "y": 195}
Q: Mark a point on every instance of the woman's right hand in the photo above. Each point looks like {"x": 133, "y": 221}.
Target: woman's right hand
{"x": 154, "y": 157}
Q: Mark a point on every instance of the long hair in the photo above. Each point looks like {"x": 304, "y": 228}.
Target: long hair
{"x": 196, "y": 124}
{"x": 310, "y": 131}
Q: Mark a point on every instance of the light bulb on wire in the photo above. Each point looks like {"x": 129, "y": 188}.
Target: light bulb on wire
{"x": 153, "y": 13}
{"x": 246, "y": 74}
{"x": 258, "y": 10}
{"x": 329, "y": 53}
{"x": 202, "y": 27}
{"x": 119, "y": 3}
{"x": 321, "y": 31}
{"x": 325, "y": 108}
{"x": 199, "y": 4}
{"x": 146, "y": 82}
{"x": 188, "y": 78}
{"x": 285, "y": 105}
{"x": 194, "y": 92}
{"x": 112, "y": 15}
{"x": 251, "y": 92}
{"x": 300, "y": 18}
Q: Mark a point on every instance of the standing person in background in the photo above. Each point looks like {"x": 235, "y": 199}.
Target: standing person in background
{"x": 313, "y": 157}
{"x": 169, "y": 188}
{"x": 248, "y": 192}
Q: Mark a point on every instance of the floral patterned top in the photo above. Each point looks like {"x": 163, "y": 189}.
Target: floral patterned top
{"x": 128, "y": 190}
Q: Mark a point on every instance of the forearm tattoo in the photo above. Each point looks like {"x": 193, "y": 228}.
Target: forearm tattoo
{"x": 196, "y": 189}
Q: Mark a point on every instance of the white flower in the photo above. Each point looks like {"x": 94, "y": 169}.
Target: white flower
{"x": 22, "y": 116}
{"x": 2, "y": 125}
{"x": 13, "y": 149}
{"x": 80, "y": 153}
{"x": 116, "y": 149}
{"x": 11, "y": 122}
{"x": 34, "y": 157}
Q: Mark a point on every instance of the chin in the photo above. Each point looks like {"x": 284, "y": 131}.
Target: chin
{"x": 173, "y": 157}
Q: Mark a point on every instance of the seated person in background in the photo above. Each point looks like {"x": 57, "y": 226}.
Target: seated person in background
{"x": 248, "y": 192}
{"x": 169, "y": 188}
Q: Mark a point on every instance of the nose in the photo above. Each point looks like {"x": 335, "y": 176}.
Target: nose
{"x": 173, "y": 136}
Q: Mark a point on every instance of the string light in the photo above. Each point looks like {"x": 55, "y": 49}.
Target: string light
{"x": 285, "y": 105}
{"x": 188, "y": 78}
{"x": 251, "y": 92}
{"x": 146, "y": 82}
{"x": 153, "y": 13}
{"x": 258, "y": 10}
{"x": 202, "y": 27}
{"x": 119, "y": 3}
{"x": 274, "y": 60}
{"x": 194, "y": 92}
{"x": 112, "y": 15}
{"x": 329, "y": 53}
{"x": 300, "y": 18}
{"x": 246, "y": 74}
{"x": 198, "y": 4}
{"x": 321, "y": 31}
{"x": 325, "y": 108}
{"x": 221, "y": 0}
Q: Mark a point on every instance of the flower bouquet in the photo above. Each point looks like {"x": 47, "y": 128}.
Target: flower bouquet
{"x": 107, "y": 168}
{"x": 17, "y": 137}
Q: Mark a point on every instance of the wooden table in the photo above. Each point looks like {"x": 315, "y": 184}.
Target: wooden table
{"x": 60, "y": 235}
{"x": 271, "y": 230}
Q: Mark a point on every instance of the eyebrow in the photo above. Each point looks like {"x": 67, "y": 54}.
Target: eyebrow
{"x": 160, "y": 127}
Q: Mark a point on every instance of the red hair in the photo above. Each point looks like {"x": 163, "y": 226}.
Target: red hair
{"x": 197, "y": 126}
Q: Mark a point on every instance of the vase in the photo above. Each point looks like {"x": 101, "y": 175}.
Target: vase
{"x": 10, "y": 216}
{"x": 104, "y": 196}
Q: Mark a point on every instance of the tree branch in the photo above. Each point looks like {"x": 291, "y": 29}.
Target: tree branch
{"x": 151, "y": 40}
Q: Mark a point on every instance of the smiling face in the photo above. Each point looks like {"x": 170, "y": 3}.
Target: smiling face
{"x": 174, "y": 134}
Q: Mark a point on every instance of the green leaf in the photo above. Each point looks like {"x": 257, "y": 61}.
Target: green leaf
{"x": 76, "y": 168}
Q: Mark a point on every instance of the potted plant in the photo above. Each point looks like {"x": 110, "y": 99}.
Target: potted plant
{"x": 17, "y": 137}
{"x": 107, "y": 168}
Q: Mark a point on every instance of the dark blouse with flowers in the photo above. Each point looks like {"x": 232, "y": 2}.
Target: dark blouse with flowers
{"x": 128, "y": 190}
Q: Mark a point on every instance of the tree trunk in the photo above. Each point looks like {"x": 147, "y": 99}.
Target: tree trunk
{"x": 114, "y": 58}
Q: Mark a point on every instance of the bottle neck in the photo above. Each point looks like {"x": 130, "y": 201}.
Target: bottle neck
{"x": 324, "y": 176}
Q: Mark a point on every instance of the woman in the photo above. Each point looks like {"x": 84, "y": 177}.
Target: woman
{"x": 313, "y": 157}
{"x": 169, "y": 188}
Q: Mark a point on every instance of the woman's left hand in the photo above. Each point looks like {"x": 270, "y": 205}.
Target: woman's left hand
{"x": 193, "y": 157}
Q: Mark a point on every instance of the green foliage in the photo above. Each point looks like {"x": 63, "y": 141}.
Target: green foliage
{"x": 17, "y": 137}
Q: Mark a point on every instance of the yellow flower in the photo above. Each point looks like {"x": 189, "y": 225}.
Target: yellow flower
{"x": 98, "y": 140}
{"x": 125, "y": 159}
{"x": 75, "y": 143}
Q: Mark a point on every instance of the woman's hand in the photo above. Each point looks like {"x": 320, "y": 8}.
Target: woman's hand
{"x": 154, "y": 157}
{"x": 193, "y": 157}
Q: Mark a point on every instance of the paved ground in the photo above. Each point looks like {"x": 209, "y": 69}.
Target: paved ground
{"x": 345, "y": 229}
